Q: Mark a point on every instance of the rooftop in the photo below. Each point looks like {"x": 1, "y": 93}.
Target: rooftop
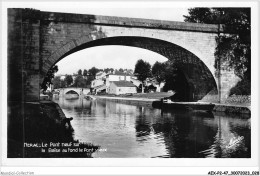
{"x": 119, "y": 73}
{"x": 99, "y": 73}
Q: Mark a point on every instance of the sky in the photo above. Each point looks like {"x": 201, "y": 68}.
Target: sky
{"x": 108, "y": 56}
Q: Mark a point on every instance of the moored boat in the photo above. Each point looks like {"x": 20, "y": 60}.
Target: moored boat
{"x": 195, "y": 106}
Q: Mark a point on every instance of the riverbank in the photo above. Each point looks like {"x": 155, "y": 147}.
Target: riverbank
{"x": 148, "y": 102}
{"x": 34, "y": 126}
{"x": 139, "y": 99}
{"x": 134, "y": 101}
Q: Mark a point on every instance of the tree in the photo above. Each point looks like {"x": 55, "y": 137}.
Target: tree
{"x": 200, "y": 15}
{"x": 142, "y": 71}
{"x": 85, "y": 72}
{"x": 62, "y": 84}
{"x": 170, "y": 76}
{"x": 106, "y": 70}
{"x": 79, "y": 81}
{"x": 158, "y": 71}
{"x": 80, "y": 72}
{"x": 56, "y": 82}
{"x": 88, "y": 81}
{"x": 93, "y": 71}
{"x": 111, "y": 70}
{"x": 234, "y": 48}
{"x": 68, "y": 80}
{"x": 121, "y": 70}
{"x": 48, "y": 78}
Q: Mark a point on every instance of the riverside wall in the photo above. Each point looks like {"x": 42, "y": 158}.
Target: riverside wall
{"x": 39, "y": 122}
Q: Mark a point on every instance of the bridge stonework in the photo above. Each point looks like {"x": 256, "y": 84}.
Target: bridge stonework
{"x": 79, "y": 91}
{"x": 37, "y": 40}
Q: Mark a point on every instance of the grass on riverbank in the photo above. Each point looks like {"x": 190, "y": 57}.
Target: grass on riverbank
{"x": 155, "y": 95}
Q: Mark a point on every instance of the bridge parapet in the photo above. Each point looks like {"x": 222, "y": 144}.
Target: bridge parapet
{"x": 131, "y": 22}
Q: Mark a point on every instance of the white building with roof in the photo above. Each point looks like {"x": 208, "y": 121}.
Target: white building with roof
{"x": 116, "y": 76}
{"x": 103, "y": 82}
{"x": 121, "y": 87}
{"x": 98, "y": 84}
{"x": 100, "y": 75}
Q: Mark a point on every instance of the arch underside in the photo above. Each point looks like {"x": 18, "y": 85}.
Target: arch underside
{"x": 71, "y": 92}
{"x": 197, "y": 73}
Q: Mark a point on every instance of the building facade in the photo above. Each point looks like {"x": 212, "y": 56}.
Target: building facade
{"x": 103, "y": 82}
{"x": 121, "y": 87}
{"x": 116, "y": 76}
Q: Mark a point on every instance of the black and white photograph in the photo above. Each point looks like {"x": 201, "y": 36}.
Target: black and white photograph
{"x": 171, "y": 85}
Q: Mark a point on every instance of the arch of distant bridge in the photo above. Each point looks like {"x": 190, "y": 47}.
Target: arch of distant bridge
{"x": 79, "y": 91}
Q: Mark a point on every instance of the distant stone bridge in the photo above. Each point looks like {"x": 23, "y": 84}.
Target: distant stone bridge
{"x": 79, "y": 91}
{"x": 37, "y": 40}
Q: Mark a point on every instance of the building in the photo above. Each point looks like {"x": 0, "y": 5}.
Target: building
{"x": 117, "y": 76}
{"x": 100, "y": 75}
{"x": 121, "y": 87}
{"x": 151, "y": 81}
{"x": 103, "y": 81}
{"x": 98, "y": 84}
{"x": 135, "y": 81}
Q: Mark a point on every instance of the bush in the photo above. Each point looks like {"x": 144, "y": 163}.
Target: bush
{"x": 243, "y": 87}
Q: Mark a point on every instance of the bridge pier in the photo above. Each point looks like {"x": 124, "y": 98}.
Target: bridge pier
{"x": 228, "y": 80}
{"x": 23, "y": 55}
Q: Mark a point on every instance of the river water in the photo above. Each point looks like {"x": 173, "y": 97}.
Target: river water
{"x": 129, "y": 131}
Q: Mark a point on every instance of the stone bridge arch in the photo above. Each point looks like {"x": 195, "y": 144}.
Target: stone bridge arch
{"x": 79, "y": 91}
{"x": 67, "y": 90}
{"x": 38, "y": 39}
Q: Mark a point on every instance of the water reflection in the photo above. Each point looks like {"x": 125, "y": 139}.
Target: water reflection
{"x": 136, "y": 131}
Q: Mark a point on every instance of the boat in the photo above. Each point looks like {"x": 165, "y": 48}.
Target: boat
{"x": 194, "y": 106}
